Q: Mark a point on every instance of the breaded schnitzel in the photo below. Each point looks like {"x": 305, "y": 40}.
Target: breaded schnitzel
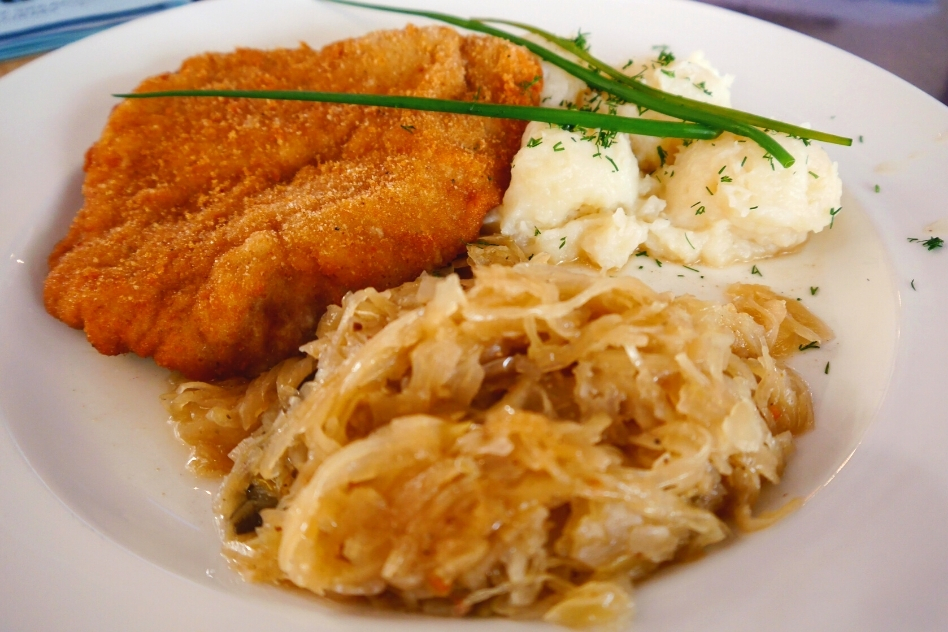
{"x": 215, "y": 232}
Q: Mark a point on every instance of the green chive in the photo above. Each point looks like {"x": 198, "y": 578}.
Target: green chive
{"x": 590, "y": 120}
{"x": 627, "y": 88}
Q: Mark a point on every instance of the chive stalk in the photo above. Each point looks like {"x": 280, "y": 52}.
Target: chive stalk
{"x": 592, "y": 120}
{"x": 619, "y": 76}
{"x": 643, "y": 96}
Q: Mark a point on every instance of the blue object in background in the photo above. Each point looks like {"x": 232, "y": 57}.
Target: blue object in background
{"x": 34, "y": 26}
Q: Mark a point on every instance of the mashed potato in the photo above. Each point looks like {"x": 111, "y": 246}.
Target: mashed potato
{"x": 572, "y": 197}
{"x": 694, "y": 78}
{"x": 715, "y": 202}
{"x": 729, "y": 201}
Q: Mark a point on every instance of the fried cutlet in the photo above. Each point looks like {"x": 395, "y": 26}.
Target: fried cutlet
{"x": 215, "y": 232}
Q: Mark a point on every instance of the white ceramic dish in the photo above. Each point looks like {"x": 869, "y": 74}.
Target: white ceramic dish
{"x": 102, "y": 529}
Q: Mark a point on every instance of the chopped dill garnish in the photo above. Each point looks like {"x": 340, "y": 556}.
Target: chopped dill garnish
{"x": 721, "y": 170}
{"x": 877, "y": 188}
{"x": 534, "y": 142}
{"x": 661, "y": 155}
{"x": 752, "y": 208}
{"x": 688, "y": 268}
{"x": 913, "y": 284}
{"x": 665, "y": 56}
{"x": 581, "y": 41}
{"x": 696, "y": 204}
{"x": 700, "y": 211}
{"x": 562, "y": 242}
{"x": 709, "y": 190}
{"x": 770, "y": 158}
{"x": 409, "y": 128}
{"x": 658, "y": 262}
{"x": 689, "y": 242}
{"x": 812, "y": 345}
{"x": 536, "y": 232}
{"x": 529, "y": 84}
{"x": 702, "y": 87}
{"x": 932, "y": 243}
{"x": 627, "y": 64}
{"x": 726, "y": 179}
{"x": 814, "y": 290}
{"x": 615, "y": 167}
{"x": 558, "y": 146}
{"x": 756, "y": 271}
{"x": 833, "y": 212}
{"x": 813, "y": 175}
{"x": 643, "y": 253}
{"x": 827, "y": 369}
{"x": 668, "y": 73}
{"x": 743, "y": 161}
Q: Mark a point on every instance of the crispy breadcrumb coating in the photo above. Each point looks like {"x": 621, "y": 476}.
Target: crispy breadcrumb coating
{"x": 216, "y": 231}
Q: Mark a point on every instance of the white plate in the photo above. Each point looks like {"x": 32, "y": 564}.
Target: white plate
{"x": 101, "y": 527}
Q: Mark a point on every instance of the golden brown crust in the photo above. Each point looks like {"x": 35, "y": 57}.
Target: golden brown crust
{"x": 216, "y": 231}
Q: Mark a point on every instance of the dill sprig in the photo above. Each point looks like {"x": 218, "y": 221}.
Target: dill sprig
{"x": 579, "y": 118}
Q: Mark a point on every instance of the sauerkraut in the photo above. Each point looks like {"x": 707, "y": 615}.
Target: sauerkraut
{"x": 528, "y": 442}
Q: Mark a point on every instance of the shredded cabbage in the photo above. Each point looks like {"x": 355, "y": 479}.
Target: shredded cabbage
{"x": 529, "y": 442}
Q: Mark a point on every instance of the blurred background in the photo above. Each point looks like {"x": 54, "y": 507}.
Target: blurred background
{"x": 909, "y": 38}
{"x": 906, "y": 37}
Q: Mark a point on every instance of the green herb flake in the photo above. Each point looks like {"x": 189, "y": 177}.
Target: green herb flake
{"x": 721, "y": 170}
{"x": 534, "y": 142}
{"x": 743, "y": 161}
{"x": 813, "y": 175}
{"x": 877, "y": 188}
{"x": 665, "y": 56}
{"x": 932, "y": 244}
{"x": 833, "y": 213}
{"x": 559, "y": 146}
{"x": 756, "y": 271}
{"x": 689, "y": 242}
{"x": 536, "y": 232}
{"x": 913, "y": 285}
{"x": 581, "y": 41}
{"x": 726, "y": 179}
{"x": 668, "y": 73}
{"x": 814, "y": 290}
{"x": 661, "y": 155}
{"x": 615, "y": 167}
{"x": 753, "y": 208}
{"x": 643, "y": 253}
{"x": 659, "y": 263}
{"x": 527, "y": 85}
{"x": 709, "y": 191}
{"x": 700, "y": 211}
{"x": 692, "y": 269}
{"x": 701, "y": 86}
{"x": 562, "y": 242}
{"x": 811, "y": 345}
{"x": 826, "y": 371}
{"x": 860, "y": 138}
